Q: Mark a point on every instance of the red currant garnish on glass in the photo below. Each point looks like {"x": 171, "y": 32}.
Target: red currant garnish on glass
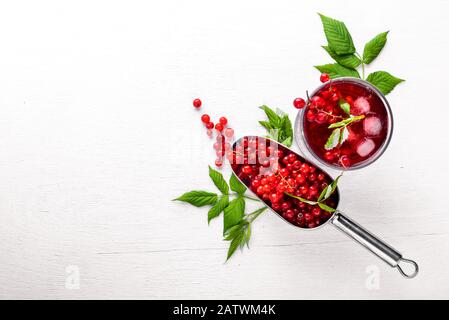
{"x": 210, "y": 125}
{"x": 324, "y": 77}
{"x": 299, "y": 103}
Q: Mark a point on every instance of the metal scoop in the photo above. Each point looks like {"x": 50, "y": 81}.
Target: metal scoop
{"x": 349, "y": 227}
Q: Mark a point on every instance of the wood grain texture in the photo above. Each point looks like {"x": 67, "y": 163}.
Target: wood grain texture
{"x": 97, "y": 135}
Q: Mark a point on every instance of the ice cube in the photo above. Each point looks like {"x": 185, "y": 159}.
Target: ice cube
{"x": 365, "y": 147}
{"x": 372, "y": 126}
{"x": 360, "y": 106}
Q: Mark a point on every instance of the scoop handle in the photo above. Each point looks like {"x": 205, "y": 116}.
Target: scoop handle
{"x": 374, "y": 244}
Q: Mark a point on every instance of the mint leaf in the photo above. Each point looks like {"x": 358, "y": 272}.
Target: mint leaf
{"x": 266, "y": 125}
{"x": 326, "y": 207}
{"x": 198, "y": 198}
{"x": 338, "y": 37}
{"x": 384, "y": 81}
{"x": 347, "y": 60}
{"x": 301, "y": 199}
{"x": 344, "y": 134}
{"x": 333, "y": 139}
{"x": 218, "y": 180}
{"x": 374, "y": 47}
{"x": 274, "y": 119}
{"x": 233, "y": 213}
{"x": 345, "y": 106}
{"x": 335, "y": 70}
{"x": 236, "y": 242}
{"x": 287, "y": 129}
{"x": 218, "y": 208}
{"x": 287, "y": 142}
{"x": 333, "y": 186}
{"x": 236, "y": 185}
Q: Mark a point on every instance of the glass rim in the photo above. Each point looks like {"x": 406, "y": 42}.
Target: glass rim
{"x": 303, "y": 145}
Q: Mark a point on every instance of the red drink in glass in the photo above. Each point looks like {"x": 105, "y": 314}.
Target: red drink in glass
{"x": 366, "y": 138}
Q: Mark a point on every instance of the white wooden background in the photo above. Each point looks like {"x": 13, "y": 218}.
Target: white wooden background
{"x": 97, "y": 134}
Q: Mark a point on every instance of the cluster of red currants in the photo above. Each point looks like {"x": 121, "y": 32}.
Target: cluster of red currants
{"x": 223, "y": 132}
{"x": 271, "y": 170}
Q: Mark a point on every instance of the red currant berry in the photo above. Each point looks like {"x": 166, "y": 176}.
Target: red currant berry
{"x": 329, "y": 156}
{"x": 299, "y": 103}
{"x": 210, "y": 125}
{"x": 197, "y": 103}
{"x": 219, "y": 127}
{"x": 310, "y": 115}
{"x": 345, "y": 161}
{"x": 223, "y": 121}
{"x": 205, "y": 118}
{"x": 324, "y": 77}
{"x": 316, "y": 211}
{"x": 218, "y": 162}
{"x": 318, "y": 101}
{"x": 229, "y": 132}
{"x": 260, "y": 190}
{"x": 321, "y": 177}
{"x": 247, "y": 169}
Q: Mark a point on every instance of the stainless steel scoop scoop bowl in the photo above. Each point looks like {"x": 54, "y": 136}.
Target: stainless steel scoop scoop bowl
{"x": 355, "y": 231}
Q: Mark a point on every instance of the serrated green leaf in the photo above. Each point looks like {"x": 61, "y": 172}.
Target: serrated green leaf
{"x": 384, "y": 81}
{"x": 232, "y": 232}
{"x": 248, "y": 235}
{"x": 236, "y": 185}
{"x": 218, "y": 208}
{"x": 287, "y": 142}
{"x": 301, "y": 199}
{"x": 333, "y": 139}
{"x": 266, "y": 125}
{"x": 374, "y": 47}
{"x": 345, "y": 106}
{"x": 287, "y": 130}
{"x": 338, "y": 37}
{"x": 218, "y": 180}
{"x": 198, "y": 198}
{"x": 335, "y": 70}
{"x": 235, "y": 243}
{"x": 326, "y": 207}
{"x": 274, "y": 119}
{"x": 344, "y": 134}
{"x": 233, "y": 213}
{"x": 333, "y": 186}
{"x": 347, "y": 60}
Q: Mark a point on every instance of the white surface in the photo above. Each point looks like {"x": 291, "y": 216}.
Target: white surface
{"x": 97, "y": 134}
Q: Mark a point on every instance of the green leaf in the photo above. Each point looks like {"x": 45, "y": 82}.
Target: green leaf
{"x": 344, "y": 134}
{"x": 248, "y": 235}
{"x": 326, "y": 207}
{"x": 347, "y": 60}
{"x": 374, "y": 47}
{"x": 333, "y": 186}
{"x": 218, "y": 180}
{"x": 236, "y": 185}
{"x": 323, "y": 193}
{"x": 232, "y": 232}
{"x": 287, "y": 142}
{"x": 335, "y": 70}
{"x": 384, "y": 81}
{"x": 218, "y": 208}
{"x": 198, "y": 198}
{"x": 338, "y": 37}
{"x": 301, "y": 199}
{"x": 287, "y": 129}
{"x": 333, "y": 139}
{"x": 235, "y": 243}
{"x": 266, "y": 125}
{"x": 274, "y": 119}
{"x": 233, "y": 213}
{"x": 345, "y": 106}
